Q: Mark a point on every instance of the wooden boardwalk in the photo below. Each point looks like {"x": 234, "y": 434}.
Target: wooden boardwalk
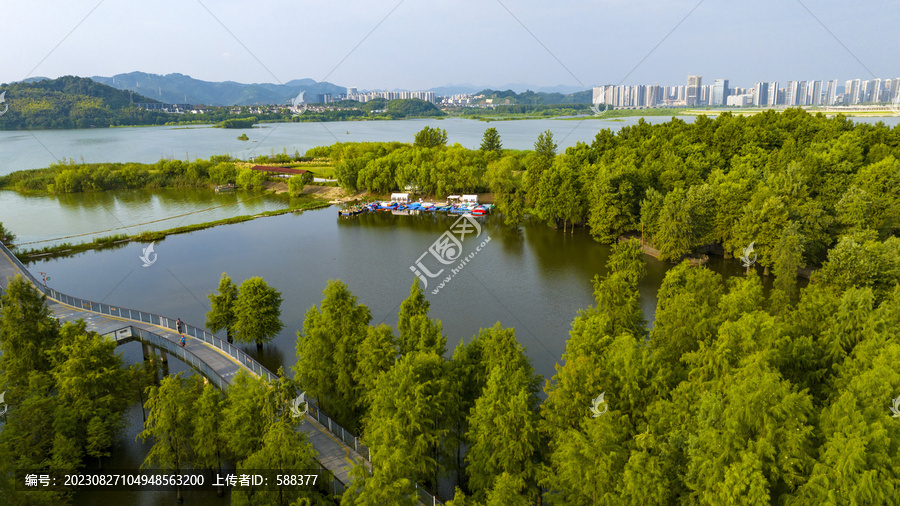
{"x": 216, "y": 359}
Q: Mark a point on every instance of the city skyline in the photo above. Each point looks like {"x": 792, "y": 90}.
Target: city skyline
{"x": 761, "y": 94}
{"x": 386, "y": 45}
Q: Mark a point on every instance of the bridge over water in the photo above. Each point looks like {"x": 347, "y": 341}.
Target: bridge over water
{"x": 214, "y": 358}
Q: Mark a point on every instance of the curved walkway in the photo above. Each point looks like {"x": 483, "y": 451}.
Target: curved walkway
{"x": 216, "y": 359}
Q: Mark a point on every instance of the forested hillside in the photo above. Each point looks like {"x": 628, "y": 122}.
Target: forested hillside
{"x": 70, "y": 102}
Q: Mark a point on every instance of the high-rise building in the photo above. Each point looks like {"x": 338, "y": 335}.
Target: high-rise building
{"x": 801, "y": 93}
{"x": 852, "y": 91}
{"x": 773, "y": 94}
{"x": 719, "y": 92}
{"x": 831, "y": 92}
{"x": 761, "y": 94}
{"x": 814, "y": 93}
{"x": 791, "y": 94}
{"x": 875, "y": 90}
{"x": 865, "y": 91}
{"x": 693, "y": 90}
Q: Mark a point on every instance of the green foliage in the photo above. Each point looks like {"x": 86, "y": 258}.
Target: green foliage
{"x": 431, "y": 137}
{"x": 297, "y": 183}
{"x": 238, "y": 122}
{"x": 412, "y": 107}
{"x": 257, "y": 312}
{"x": 6, "y": 237}
{"x": 491, "y": 140}
{"x": 284, "y": 450}
{"x": 221, "y": 315}
{"x": 71, "y": 177}
{"x": 406, "y": 407}
{"x": 243, "y": 417}
{"x": 27, "y": 332}
{"x": 169, "y": 425}
{"x": 327, "y": 353}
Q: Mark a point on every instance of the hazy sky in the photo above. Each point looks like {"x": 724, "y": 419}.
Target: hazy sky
{"x": 428, "y": 43}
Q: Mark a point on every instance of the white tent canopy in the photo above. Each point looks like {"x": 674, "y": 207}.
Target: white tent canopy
{"x": 399, "y": 197}
{"x": 470, "y": 198}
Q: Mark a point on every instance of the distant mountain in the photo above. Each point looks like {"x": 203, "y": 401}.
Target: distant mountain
{"x": 461, "y": 89}
{"x": 538, "y": 98}
{"x": 179, "y": 88}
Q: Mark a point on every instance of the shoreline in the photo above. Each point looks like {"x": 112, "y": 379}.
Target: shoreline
{"x": 120, "y": 240}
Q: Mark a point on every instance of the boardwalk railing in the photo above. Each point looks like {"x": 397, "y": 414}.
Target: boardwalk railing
{"x": 145, "y": 317}
{"x": 162, "y": 321}
{"x": 345, "y": 435}
{"x": 181, "y": 353}
{"x": 352, "y": 441}
{"x": 349, "y": 439}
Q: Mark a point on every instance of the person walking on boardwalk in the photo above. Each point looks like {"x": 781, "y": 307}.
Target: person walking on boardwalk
{"x": 182, "y": 341}
{"x": 179, "y": 325}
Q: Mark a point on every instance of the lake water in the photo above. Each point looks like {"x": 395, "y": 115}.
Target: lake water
{"x": 39, "y": 148}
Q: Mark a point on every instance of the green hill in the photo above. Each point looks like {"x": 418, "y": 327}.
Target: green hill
{"x": 69, "y": 102}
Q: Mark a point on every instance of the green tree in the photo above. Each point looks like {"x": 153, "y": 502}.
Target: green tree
{"x": 788, "y": 260}
{"x": 243, "y": 416}
{"x": 327, "y": 352}
{"x": 431, "y": 137}
{"x": 257, "y": 312}
{"x": 406, "y": 409}
{"x": 92, "y": 386}
{"x": 27, "y": 332}
{"x": 296, "y": 184}
{"x": 686, "y": 316}
{"x": 221, "y": 315}
{"x": 675, "y": 235}
{"x": 503, "y": 431}
{"x": 169, "y": 426}
{"x": 208, "y": 441}
{"x": 284, "y": 450}
{"x": 541, "y": 160}
{"x": 491, "y": 141}
{"x": 414, "y": 305}
{"x": 376, "y": 354}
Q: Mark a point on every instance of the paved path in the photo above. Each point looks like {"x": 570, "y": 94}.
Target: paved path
{"x": 332, "y": 453}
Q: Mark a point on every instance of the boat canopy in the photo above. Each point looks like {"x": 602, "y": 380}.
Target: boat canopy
{"x": 400, "y": 197}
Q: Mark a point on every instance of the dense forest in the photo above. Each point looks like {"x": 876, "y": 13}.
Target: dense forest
{"x": 768, "y": 179}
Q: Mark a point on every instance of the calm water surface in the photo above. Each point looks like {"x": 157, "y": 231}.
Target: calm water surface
{"x": 39, "y": 148}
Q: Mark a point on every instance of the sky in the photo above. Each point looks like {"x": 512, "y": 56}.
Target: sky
{"x": 421, "y": 44}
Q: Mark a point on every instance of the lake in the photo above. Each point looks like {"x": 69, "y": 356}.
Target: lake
{"x": 39, "y": 148}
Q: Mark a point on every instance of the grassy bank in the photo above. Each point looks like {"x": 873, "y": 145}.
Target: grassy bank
{"x": 120, "y": 240}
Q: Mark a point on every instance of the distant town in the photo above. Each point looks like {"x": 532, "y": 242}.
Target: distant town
{"x": 858, "y": 94}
